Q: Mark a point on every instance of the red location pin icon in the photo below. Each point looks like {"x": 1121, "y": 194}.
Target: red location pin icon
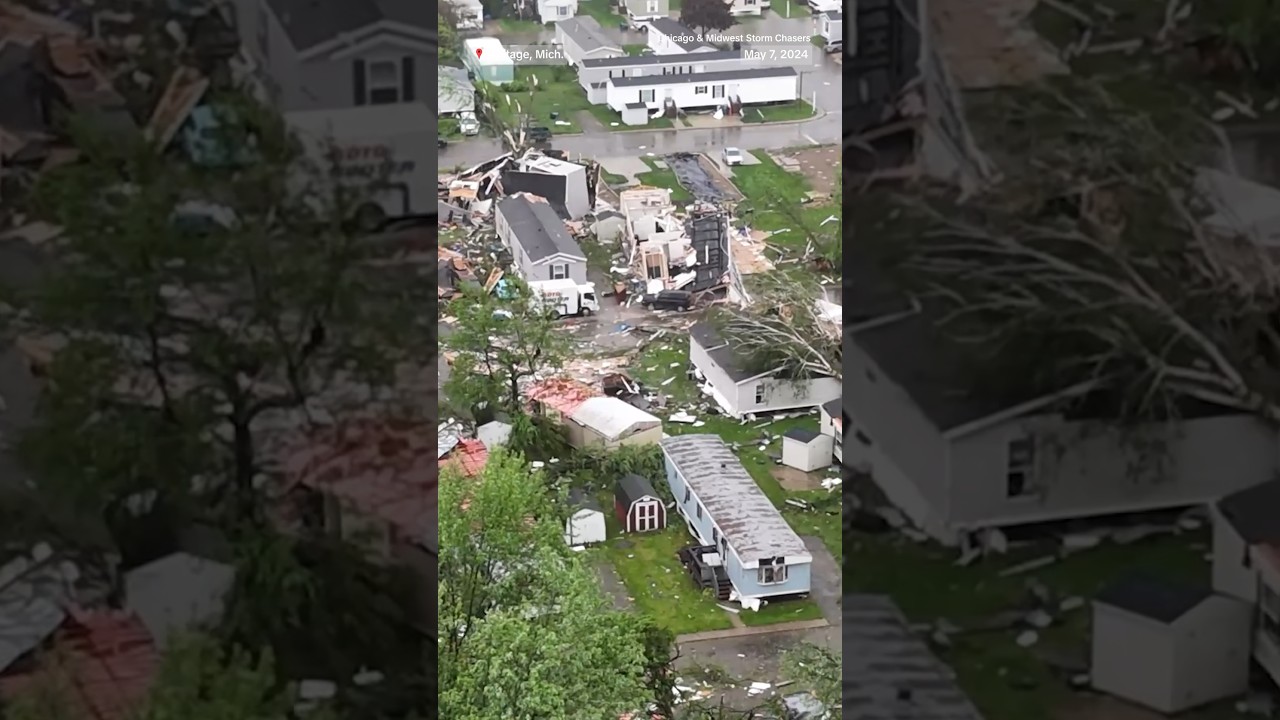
{"x": 479, "y": 52}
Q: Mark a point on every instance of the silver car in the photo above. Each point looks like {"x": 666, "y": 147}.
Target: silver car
{"x": 732, "y": 156}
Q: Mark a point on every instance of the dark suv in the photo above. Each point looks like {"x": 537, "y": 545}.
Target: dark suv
{"x": 668, "y": 300}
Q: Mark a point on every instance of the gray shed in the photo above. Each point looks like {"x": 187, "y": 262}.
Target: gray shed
{"x": 177, "y": 593}
{"x": 807, "y": 450}
{"x": 1169, "y": 646}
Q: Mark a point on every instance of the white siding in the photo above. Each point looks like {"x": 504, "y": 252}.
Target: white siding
{"x": 554, "y": 10}
{"x": 1133, "y": 657}
{"x": 745, "y": 8}
{"x": 1212, "y": 654}
{"x": 750, "y": 91}
{"x": 809, "y": 457}
{"x": 904, "y": 452}
{"x": 688, "y": 64}
{"x": 1087, "y": 470}
{"x": 784, "y": 395}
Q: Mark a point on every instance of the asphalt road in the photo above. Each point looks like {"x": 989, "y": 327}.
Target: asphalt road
{"x": 821, "y": 76}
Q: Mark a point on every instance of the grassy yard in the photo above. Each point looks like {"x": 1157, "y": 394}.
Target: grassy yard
{"x": 514, "y": 25}
{"x": 658, "y": 585}
{"x": 787, "y": 112}
{"x": 556, "y": 91}
{"x": 1006, "y": 681}
{"x": 634, "y": 48}
{"x": 789, "y": 8}
{"x": 765, "y": 184}
{"x": 602, "y": 10}
{"x": 782, "y": 612}
{"x": 664, "y": 178}
{"x": 667, "y": 358}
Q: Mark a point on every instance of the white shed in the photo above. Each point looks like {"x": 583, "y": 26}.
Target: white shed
{"x": 585, "y": 524}
{"x": 1169, "y": 647}
{"x": 806, "y": 450}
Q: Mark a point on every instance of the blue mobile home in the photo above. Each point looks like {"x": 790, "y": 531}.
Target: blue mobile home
{"x": 724, "y": 507}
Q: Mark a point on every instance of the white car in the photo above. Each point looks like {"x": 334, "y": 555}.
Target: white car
{"x": 732, "y": 156}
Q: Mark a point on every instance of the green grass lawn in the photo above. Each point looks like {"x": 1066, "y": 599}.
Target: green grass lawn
{"x": 664, "y": 179}
{"x": 927, "y": 585}
{"x": 556, "y": 91}
{"x": 658, "y": 585}
{"x": 607, "y": 117}
{"x": 602, "y": 10}
{"x": 514, "y": 25}
{"x": 789, "y": 8}
{"x": 634, "y": 48}
{"x": 787, "y": 112}
{"x": 764, "y": 185}
{"x": 782, "y": 612}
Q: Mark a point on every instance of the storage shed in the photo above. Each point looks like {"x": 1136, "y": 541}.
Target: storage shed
{"x": 1167, "y": 646}
{"x": 635, "y": 114}
{"x": 806, "y": 450}
{"x": 638, "y": 506}
{"x": 585, "y": 524}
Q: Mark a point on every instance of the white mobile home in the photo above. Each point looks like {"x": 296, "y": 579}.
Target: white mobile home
{"x": 739, "y": 390}
{"x": 456, "y": 94}
{"x": 643, "y": 11}
{"x": 581, "y": 38}
{"x": 830, "y": 27}
{"x": 1246, "y": 564}
{"x": 747, "y": 8}
{"x": 730, "y": 88}
{"x": 541, "y": 246}
{"x": 550, "y": 11}
{"x": 593, "y": 75}
{"x": 724, "y": 508}
{"x": 668, "y": 37}
{"x": 492, "y": 64}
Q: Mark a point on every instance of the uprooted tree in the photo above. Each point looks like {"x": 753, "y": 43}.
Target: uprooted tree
{"x": 1102, "y": 261}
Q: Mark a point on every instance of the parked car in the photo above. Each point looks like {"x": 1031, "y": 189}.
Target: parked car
{"x": 732, "y": 156}
{"x": 680, "y": 300}
{"x": 538, "y": 134}
{"x": 468, "y": 124}
{"x": 441, "y": 143}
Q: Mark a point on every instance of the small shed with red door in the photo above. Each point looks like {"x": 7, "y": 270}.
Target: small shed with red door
{"x": 638, "y": 506}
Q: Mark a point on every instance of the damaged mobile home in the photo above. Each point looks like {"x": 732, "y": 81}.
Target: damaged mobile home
{"x": 569, "y": 187}
{"x": 674, "y": 251}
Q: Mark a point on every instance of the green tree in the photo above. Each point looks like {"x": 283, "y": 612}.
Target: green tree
{"x": 500, "y": 339}
{"x": 197, "y": 304}
{"x": 525, "y": 631}
{"x": 706, "y": 15}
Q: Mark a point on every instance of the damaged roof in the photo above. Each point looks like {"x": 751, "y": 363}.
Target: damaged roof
{"x": 715, "y": 347}
{"x": 378, "y": 467}
{"x": 894, "y": 676}
{"x": 540, "y": 232}
{"x": 747, "y": 518}
{"x": 309, "y": 23}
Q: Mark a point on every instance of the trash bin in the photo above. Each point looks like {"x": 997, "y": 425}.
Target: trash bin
{"x": 555, "y": 115}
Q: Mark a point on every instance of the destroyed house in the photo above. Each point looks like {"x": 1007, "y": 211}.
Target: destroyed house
{"x": 956, "y": 458}
{"x": 708, "y": 234}
{"x": 905, "y": 106}
{"x": 568, "y": 187}
{"x": 540, "y": 244}
{"x": 331, "y": 54}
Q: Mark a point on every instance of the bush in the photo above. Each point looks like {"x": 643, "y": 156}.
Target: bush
{"x": 516, "y": 86}
{"x": 450, "y": 126}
